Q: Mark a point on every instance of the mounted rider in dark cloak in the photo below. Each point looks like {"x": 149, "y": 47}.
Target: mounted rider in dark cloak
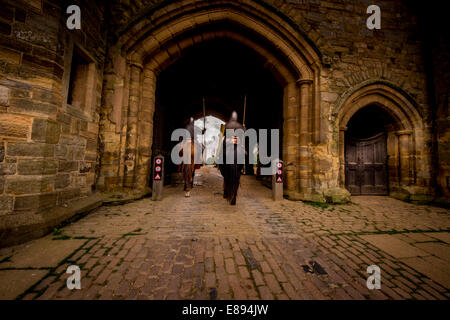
{"x": 231, "y": 172}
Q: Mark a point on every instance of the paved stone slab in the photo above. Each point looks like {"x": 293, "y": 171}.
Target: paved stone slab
{"x": 393, "y": 246}
{"x": 441, "y": 250}
{"x": 420, "y": 237}
{"x": 15, "y": 282}
{"x": 443, "y": 236}
{"x": 432, "y": 267}
{"x": 42, "y": 253}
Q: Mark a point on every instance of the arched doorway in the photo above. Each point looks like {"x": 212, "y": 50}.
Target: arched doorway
{"x": 152, "y": 44}
{"x": 366, "y": 156}
{"x": 382, "y": 143}
{"x": 224, "y": 73}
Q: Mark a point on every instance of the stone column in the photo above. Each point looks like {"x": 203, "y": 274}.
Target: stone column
{"x": 290, "y": 135}
{"x": 145, "y": 131}
{"x": 342, "y": 156}
{"x": 404, "y": 156}
{"x": 111, "y": 122}
{"x": 132, "y": 119}
{"x": 305, "y": 140}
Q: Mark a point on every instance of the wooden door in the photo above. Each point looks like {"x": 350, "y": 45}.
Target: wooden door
{"x": 366, "y": 165}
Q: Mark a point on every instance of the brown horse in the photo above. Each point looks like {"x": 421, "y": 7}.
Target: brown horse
{"x": 188, "y": 167}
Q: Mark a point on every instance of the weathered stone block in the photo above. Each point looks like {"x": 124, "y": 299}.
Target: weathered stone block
{"x": 34, "y": 36}
{"x": 4, "y": 95}
{"x": 7, "y": 169}
{"x": 2, "y": 153}
{"x": 42, "y": 65}
{"x": 45, "y": 131}
{"x": 337, "y": 195}
{"x": 65, "y": 128}
{"x": 400, "y": 194}
{"x": 23, "y": 149}
{"x": 76, "y": 112}
{"x": 24, "y": 105}
{"x": 9, "y": 55}
{"x": 111, "y": 183}
{"x": 45, "y": 96}
{"x": 2, "y": 185}
{"x": 42, "y": 201}
{"x": 36, "y": 167}
{"x": 83, "y": 125}
{"x": 6, "y": 204}
{"x": 67, "y": 195}
{"x": 78, "y": 153}
{"x": 81, "y": 180}
{"x": 60, "y": 151}
{"x": 62, "y": 180}
{"x": 14, "y": 126}
{"x": 91, "y": 145}
{"x": 86, "y": 167}
{"x": 16, "y": 45}
{"x": 19, "y": 93}
{"x": 90, "y": 157}
{"x": 421, "y": 198}
{"x": 65, "y": 166}
{"x": 64, "y": 118}
{"x": 329, "y": 96}
{"x": 19, "y": 186}
{"x": 73, "y": 140}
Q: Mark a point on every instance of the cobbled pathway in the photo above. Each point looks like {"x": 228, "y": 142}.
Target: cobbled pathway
{"x": 203, "y": 248}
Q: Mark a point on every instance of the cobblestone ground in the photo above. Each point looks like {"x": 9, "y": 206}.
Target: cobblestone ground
{"x": 202, "y": 248}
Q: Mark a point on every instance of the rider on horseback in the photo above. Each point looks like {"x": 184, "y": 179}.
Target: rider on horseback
{"x": 190, "y": 159}
{"x": 231, "y": 172}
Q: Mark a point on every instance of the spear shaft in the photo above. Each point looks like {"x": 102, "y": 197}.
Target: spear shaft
{"x": 245, "y": 108}
{"x": 204, "y": 131}
{"x": 243, "y": 124}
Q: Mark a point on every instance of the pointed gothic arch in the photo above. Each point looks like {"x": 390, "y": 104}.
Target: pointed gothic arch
{"x": 152, "y": 43}
{"x": 408, "y": 157}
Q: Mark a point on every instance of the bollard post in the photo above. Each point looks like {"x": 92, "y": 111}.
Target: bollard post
{"x": 158, "y": 178}
{"x": 277, "y": 181}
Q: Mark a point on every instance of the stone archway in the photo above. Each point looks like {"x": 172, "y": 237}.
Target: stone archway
{"x": 408, "y": 158}
{"x": 152, "y": 44}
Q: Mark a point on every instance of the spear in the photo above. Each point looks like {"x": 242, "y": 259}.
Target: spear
{"x": 243, "y": 124}
{"x": 245, "y": 107}
{"x": 204, "y": 130}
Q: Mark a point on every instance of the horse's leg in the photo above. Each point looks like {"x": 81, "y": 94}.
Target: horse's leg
{"x": 184, "y": 177}
{"x": 225, "y": 193}
{"x": 233, "y": 198}
{"x": 234, "y": 192}
{"x": 187, "y": 175}
{"x": 236, "y": 182}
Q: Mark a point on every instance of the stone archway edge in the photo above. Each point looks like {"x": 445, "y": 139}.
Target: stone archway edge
{"x": 409, "y": 157}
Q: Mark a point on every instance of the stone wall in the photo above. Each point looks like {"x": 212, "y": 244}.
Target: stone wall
{"x": 76, "y": 110}
{"x": 438, "y": 44}
{"x": 48, "y": 148}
